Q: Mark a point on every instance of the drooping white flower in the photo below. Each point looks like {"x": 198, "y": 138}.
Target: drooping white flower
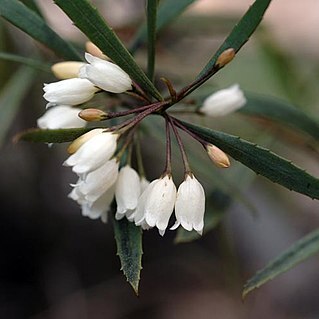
{"x": 224, "y": 101}
{"x": 93, "y": 153}
{"x": 138, "y": 216}
{"x": 132, "y": 215}
{"x": 190, "y": 205}
{"x": 106, "y": 75}
{"x": 100, "y": 207}
{"x": 156, "y": 204}
{"x": 70, "y": 92}
{"x": 61, "y": 116}
{"x": 99, "y": 181}
{"x": 127, "y": 191}
{"x": 67, "y": 69}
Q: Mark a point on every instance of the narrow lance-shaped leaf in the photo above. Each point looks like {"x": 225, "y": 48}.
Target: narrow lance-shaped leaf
{"x": 11, "y": 97}
{"x": 300, "y": 251}
{"x": 51, "y": 136}
{"x": 280, "y": 111}
{"x": 129, "y": 248}
{"x": 241, "y": 32}
{"x": 93, "y": 25}
{"x": 151, "y": 7}
{"x": 31, "y": 23}
{"x": 33, "y": 6}
{"x": 167, "y": 12}
{"x": 261, "y": 160}
{"x": 33, "y": 63}
{"x": 236, "y": 39}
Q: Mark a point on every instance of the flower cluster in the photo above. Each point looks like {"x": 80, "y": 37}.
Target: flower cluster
{"x": 79, "y": 82}
{"x": 101, "y": 158}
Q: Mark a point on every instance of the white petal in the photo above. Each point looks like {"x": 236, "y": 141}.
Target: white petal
{"x": 190, "y": 205}
{"x": 127, "y": 190}
{"x": 100, "y": 207}
{"x": 106, "y": 75}
{"x": 100, "y": 180}
{"x": 61, "y": 116}
{"x": 160, "y": 203}
{"x": 93, "y": 153}
{"x": 224, "y": 101}
{"x": 139, "y": 214}
{"x": 70, "y": 92}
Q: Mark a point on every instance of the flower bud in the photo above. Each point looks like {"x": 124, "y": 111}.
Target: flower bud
{"x": 61, "y": 116}
{"x": 66, "y": 70}
{"x": 225, "y": 57}
{"x": 106, "y": 75}
{"x": 223, "y": 102}
{"x": 91, "y": 48}
{"x": 218, "y": 157}
{"x": 92, "y": 115}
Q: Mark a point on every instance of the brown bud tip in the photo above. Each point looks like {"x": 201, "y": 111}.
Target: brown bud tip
{"x": 225, "y": 57}
{"x": 92, "y": 115}
{"x": 91, "y": 48}
{"x": 218, "y": 157}
{"x": 77, "y": 143}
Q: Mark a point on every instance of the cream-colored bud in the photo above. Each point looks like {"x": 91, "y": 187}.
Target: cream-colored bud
{"x": 92, "y": 115}
{"x": 66, "y": 70}
{"x": 218, "y": 157}
{"x": 225, "y": 57}
{"x": 91, "y": 48}
{"x": 77, "y": 143}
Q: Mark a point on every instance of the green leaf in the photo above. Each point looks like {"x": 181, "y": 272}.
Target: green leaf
{"x": 217, "y": 203}
{"x": 36, "y": 64}
{"x": 31, "y": 23}
{"x": 129, "y": 248}
{"x": 301, "y": 250}
{"x": 241, "y": 32}
{"x": 167, "y": 12}
{"x": 11, "y": 97}
{"x": 93, "y": 25}
{"x": 151, "y": 6}
{"x": 33, "y": 6}
{"x": 282, "y": 112}
{"x": 51, "y": 136}
{"x": 261, "y": 160}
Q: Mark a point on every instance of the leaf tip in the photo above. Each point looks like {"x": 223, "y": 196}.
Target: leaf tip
{"x": 135, "y": 286}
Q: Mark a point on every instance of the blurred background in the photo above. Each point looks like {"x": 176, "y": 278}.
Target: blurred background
{"x": 56, "y": 264}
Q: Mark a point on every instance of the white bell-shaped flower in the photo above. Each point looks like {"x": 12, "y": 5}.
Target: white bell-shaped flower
{"x": 106, "y": 75}
{"x": 138, "y": 216}
{"x": 157, "y": 203}
{"x": 224, "y": 102}
{"x": 190, "y": 205}
{"x": 61, "y": 116}
{"x": 70, "y": 92}
{"x": 100, "y": 207}
{"x": 132, "y": 215}
{"x": 93, "y": 153}
{"x": 127, "y": 191}
{"x": 99, "y": 181}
